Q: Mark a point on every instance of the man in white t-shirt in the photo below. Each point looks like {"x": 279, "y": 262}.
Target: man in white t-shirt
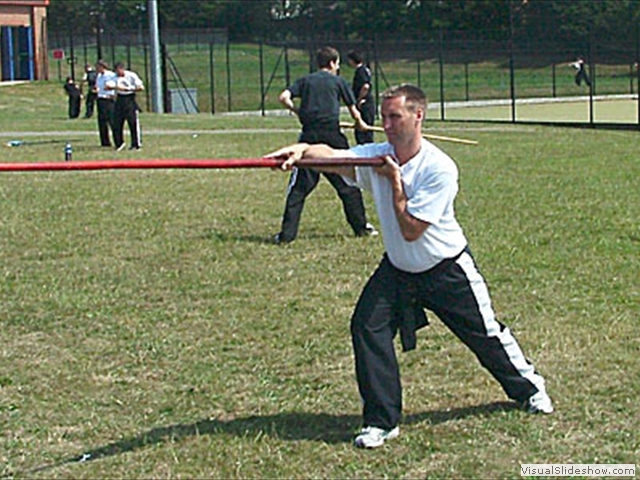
{"x": 427, "y": 264}
{"x": 127, "y": 84}
{"x": 106, "y": 101}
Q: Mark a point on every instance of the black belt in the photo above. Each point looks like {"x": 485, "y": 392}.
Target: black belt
{"x": 412, "y": 314}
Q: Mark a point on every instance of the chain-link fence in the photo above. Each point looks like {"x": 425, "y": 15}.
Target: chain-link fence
{"x": 524, "y": 80}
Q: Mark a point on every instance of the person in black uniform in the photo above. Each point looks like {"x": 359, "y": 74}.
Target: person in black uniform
{"x": 320, "y": 95}
{"x": 364, "y": 98}
{"x": 127, "y": 83}
{"x": 90, "y": 76}
{"x": 581, "y": 72}
{"x": 75, "y": 96}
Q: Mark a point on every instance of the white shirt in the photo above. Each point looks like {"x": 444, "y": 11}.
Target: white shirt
{"x": 430, "y": 181}
{"x": 101, "y": 83}
{"x": 130, "y": 82}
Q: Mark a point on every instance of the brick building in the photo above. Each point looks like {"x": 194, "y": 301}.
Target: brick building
{"x": 23, "y": 40}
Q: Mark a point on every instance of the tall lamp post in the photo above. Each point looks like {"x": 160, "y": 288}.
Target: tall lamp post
{"x": 156, "y": 64}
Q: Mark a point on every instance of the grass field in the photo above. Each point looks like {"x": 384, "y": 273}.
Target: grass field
{"x": 150, "y": 328}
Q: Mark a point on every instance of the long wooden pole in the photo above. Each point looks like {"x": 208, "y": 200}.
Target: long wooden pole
{"x": 223, "y": 163}
{"x": 428, "y": 136}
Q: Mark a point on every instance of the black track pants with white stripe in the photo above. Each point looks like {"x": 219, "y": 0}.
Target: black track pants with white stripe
{"x": 456, "y": 292}
{"x": 126, "y": 109}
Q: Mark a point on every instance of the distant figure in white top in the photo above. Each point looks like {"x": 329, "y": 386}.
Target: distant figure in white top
{"x": 106, "y": 101}
{"x": 126, "y": 84}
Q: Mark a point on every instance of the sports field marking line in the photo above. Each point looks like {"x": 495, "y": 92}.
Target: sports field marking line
{"x": 531, "y": 101}
{"x": 435, "y": 105}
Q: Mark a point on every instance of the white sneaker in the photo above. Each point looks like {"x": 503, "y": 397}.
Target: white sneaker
{"x": 539, "y": 403}
{"x": 368, "y": 231}
{"x": 373, "y": 437}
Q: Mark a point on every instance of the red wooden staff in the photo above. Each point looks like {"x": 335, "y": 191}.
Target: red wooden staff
{"x": 184, "y": 163}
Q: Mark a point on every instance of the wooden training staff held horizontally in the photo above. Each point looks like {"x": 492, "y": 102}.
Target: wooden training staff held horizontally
{"x": 428, "y": 136}
{"x": 182, "y": 163}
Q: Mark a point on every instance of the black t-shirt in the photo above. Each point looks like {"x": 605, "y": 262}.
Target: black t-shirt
{"x": 320, "y": 94}
{"x": 361, "y": 77}
{"x": 71, "y": 89}
{"x": 92, "y": 76}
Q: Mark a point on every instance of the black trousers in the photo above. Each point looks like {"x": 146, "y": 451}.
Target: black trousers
{"x": 105, "y": 119}
{"x": 456, "y": 292}
{"x": 74, "y": 106}
{"x": 304, "y": 180}
{"x": 582, "y": 76}
{"x": 126, "y": 109}
{"x": 368, "y": 113}
{"x": 90, "y": 102}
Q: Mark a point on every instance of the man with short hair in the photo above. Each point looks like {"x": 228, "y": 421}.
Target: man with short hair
{"x": 427, "y": 265}
{"x": 320, "y": 95}
{"x": 127, "y": 83}
{"x": 364, "y": 96}
{"x": 106, "y": 101}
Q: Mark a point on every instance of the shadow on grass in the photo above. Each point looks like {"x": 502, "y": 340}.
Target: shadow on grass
{"x": 224, "y": 237}
{"x": 290, "y": 426}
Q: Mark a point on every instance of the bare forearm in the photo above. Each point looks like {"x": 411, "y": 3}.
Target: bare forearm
{"x": 411, "y": 227}
{"x": 286, "y": 100}
{"x": 355, "y": 113}
{"x": 364, "y": 91}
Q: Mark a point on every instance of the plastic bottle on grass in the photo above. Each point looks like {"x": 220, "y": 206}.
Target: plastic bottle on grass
{"x": 68, "y": 152}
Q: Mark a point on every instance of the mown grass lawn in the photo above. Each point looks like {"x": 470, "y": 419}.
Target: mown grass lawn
{"x": 150, "y": 328}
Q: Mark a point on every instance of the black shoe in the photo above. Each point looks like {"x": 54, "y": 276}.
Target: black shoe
{"x": 120, "y": 147}
{"x": 133, "y": 147}
{"x": 278, "y": 240}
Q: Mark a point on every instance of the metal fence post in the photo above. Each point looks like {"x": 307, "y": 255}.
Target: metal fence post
{"x": 466, "y": 81}
{"x": 592, "y": 78}
{"x": 72, "y": 55}
{"x": 165, "y": 86}
{"x": 262, "y": 92}
{"x": 376, "y": 71}
{"x": 145, "y": 53}
{"x": 212, "y": 87}
{"x": 228, "y": 55}
{"x": 113, "y": 48}
{"x": 512, "y": 79}
{"x": 638, "y": 66}
{"x": 441, "y": 62}
{"x": 287, "y": 68}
